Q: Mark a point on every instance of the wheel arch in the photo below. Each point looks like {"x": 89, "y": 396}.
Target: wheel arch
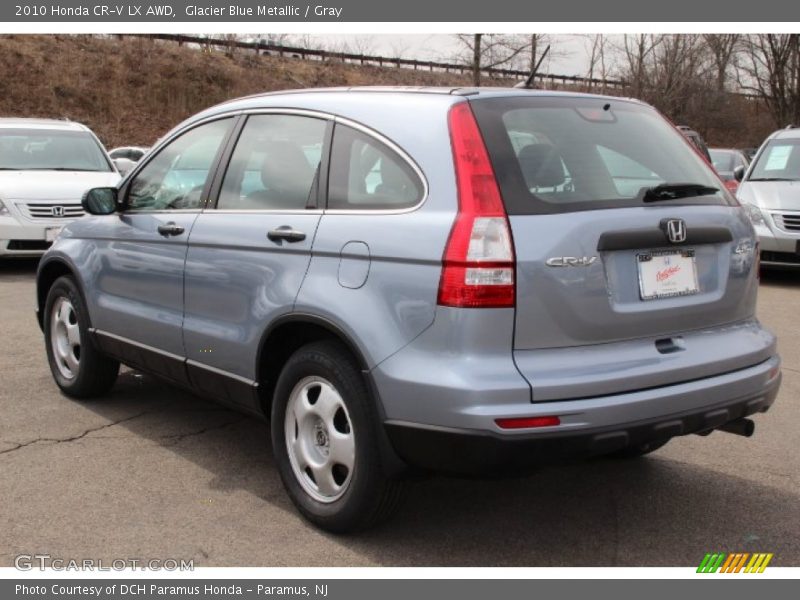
{"x": 287, "y": 334}
{"x": 46, "y": 276}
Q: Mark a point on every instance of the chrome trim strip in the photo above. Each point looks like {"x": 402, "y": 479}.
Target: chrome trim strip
{"x": 221, "y": 372}
{"x": 303, "y": 112}
{"x": 355, "y": 125}
{"x": 250, "y": 211}
{"x": 183, "y": 359}
{"x": 162, "y": 211}
{"x": 136, "y": 344}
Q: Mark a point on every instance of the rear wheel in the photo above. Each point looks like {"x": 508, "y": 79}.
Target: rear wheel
{"x": 325, "y": 441}
{"x": 78, "y": 368}
{"x": 639, "y": 450}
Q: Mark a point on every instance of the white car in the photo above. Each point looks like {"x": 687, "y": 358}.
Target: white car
{"x": 126, "y": 157}
{"x": 770, "y": 193}
{"x": 45, "y": 167}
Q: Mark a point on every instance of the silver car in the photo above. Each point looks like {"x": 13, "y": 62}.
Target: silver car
{"x": 450, "y": 279}
{"x": 126, "y": 157}
{"x": 45, "y": 167}
{"x": 770, "y": 192}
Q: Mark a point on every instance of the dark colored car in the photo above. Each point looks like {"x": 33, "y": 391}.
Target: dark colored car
{"x": 696, "y": 139}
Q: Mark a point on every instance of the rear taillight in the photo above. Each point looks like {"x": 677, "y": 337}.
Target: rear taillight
{"x": 478, "y": 263}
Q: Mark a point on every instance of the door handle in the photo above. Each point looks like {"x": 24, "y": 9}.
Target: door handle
{"x": 170, "y": 228}
{"x": 286, "y": 232}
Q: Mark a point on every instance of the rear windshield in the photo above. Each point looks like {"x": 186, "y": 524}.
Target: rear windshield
{"x": 50, "y": 149}
{"x": 779, "y": 161}
{"x": 554, "y": 154}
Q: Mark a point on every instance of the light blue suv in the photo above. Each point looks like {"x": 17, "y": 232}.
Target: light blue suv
{"x": 448, "y": 279}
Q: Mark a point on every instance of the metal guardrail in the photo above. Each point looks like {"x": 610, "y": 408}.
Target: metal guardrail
{"x": 383, "y": 61}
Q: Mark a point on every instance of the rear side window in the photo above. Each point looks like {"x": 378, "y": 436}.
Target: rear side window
{"x": 560, "y": 154}
{"x": 366, "y": 174}
{"x": 275, "y": 164}
{"x": 780, "y": 161}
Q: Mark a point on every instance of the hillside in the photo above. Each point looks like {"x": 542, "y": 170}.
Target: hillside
{"x": 133, "y": 90}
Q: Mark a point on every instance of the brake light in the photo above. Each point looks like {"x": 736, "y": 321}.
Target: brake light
{"x": 527, "y": 422}
{"x": 478, "y": 263}
{"x": 732, "y": 185}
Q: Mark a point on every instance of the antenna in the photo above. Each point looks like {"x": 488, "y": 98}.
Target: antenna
{"x": 528, "y": 83}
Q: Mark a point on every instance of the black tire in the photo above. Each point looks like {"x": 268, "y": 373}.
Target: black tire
{"x": 639, "y": 450}
{"x": 95, "y": 373}
{"x": 371, "y": 495}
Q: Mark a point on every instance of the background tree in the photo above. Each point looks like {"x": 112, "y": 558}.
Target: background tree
{"x": 770, "y": 68}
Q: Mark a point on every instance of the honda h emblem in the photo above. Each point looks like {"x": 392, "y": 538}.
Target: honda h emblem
{"x": 675, "y": 230}
{"x": 58, "y": 211}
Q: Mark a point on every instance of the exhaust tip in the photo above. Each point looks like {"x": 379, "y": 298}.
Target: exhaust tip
{"x": 743, "y": 427}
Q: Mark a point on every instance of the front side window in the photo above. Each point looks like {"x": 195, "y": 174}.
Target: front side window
{"x": 557, "y": 154}
{"x": 780, "y": 161}
{"x": 275, "y": 164}
{"x": 366, "y": 174}
{"x": 50, "y": 150}
{"x": 175, "y": 178}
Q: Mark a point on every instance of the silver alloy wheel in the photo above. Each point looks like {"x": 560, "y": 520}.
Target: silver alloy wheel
{"x": 319, "y": 439}
{"x": 65, "y": 337}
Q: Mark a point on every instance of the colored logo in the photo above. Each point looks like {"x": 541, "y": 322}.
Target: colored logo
{"x": 738, "y": 562}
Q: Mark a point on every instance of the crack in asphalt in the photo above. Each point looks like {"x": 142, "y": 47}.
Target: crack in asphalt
{"x": 176, "y": 437}
{"x": 179, "y": 437}
{"x": 74, "y": 437}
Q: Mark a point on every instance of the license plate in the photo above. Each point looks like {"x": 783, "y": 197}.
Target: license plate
{"x": 666, "y": 274}
{"x": 51, "y": 233}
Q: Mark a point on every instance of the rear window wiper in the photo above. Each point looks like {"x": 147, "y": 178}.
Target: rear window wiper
{"x": 672, "y": 191}
{"x": 772, "y": 179}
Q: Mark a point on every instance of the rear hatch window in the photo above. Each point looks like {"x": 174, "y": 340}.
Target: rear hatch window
{"x": 559, "y": 154}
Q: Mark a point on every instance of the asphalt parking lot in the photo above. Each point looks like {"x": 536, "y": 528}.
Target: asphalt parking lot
{"x": 153, "y": 472}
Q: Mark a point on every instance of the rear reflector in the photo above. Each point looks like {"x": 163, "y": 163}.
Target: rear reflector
{"x": 527, "y": 422}
{"x": 478, "y": 263}
{"x": 758, "y": 261}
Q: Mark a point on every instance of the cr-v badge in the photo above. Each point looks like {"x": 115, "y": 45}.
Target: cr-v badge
{"x": 571, "y": 261}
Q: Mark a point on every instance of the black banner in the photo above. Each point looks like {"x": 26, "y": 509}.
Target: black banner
{"x": 497, "y": 11}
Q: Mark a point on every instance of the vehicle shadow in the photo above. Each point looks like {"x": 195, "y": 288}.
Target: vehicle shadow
{"x": 787, "y": 278}
{"x": 651, "y": 511}
{"x": 18, "y": 268}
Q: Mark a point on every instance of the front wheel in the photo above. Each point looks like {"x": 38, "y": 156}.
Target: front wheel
{"x": 325, "y": 440}
{"x": 78, "y": 368}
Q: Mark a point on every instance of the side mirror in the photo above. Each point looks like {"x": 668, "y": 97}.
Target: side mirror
{"x": 123, "y": 166}
{"x": 738, "y": 173}
{"x": 100, "y": 201}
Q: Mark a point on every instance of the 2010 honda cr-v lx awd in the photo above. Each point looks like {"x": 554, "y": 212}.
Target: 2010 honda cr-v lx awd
{"x": 451, "y": 279}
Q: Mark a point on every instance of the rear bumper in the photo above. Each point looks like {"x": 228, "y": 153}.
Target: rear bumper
{"x": 481, "y": 451}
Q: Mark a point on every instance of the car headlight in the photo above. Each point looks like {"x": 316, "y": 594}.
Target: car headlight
{"x": 3, "y": 210}
{"x": 755, "y": 214}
